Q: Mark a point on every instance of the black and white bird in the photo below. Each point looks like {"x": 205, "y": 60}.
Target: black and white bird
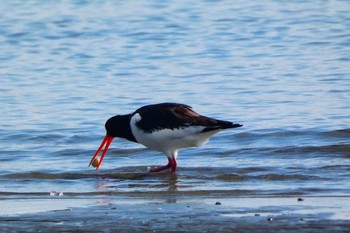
{"x": 165, "y": 127}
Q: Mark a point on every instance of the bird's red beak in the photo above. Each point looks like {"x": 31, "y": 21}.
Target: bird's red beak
{"x": 106, "y": 142}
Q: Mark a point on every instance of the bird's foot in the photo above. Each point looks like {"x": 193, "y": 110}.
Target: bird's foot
{"x": 172, "y": 164}
{"x": 159, "y": 169}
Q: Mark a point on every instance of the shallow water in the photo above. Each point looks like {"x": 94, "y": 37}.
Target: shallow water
{"x": 279, "y": 68}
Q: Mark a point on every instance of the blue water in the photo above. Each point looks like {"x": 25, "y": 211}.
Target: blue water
{"x": 280, "y": 68}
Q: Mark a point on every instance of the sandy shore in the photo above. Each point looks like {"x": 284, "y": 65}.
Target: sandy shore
{"x": 175, "y": 213}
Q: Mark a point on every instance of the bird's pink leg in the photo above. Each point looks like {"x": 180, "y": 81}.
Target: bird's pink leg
{"x": 171, "y": 164}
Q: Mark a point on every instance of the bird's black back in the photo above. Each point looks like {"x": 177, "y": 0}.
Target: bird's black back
{"x": 174, "y": 116}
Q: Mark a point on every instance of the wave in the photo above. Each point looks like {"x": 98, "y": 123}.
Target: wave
{"x": 307, "y": 192}
{"x": 285, "y": 133}
{"x": 342, "y": 150}
{"x": 226, "y": 174}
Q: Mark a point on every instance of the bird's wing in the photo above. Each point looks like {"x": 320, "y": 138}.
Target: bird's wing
{"x": 174, "y": 116}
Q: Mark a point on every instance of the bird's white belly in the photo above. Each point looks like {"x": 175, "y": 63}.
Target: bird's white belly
{"x": 166, "y": 140}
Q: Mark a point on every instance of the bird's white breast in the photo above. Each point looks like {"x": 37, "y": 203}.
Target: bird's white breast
{"x": 166, "y": 140}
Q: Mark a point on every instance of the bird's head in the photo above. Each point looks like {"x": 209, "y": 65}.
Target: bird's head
{"x": 115, "y": 127}
{"x": 112, "y": 125}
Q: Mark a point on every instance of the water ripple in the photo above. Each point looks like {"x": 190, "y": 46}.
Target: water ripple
{"x": 280, "y": 69}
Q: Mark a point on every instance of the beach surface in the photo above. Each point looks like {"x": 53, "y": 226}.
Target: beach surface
{"x": 176, "y": 212}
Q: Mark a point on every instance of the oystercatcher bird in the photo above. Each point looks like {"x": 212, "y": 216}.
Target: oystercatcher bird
{"x": 165, "y": 127}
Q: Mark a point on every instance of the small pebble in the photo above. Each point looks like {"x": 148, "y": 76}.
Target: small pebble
{"x": 217, "y": 203}
{"x": 300, "y": 199}
{"x": 269, "y": 219}
{"x": 54, "y": 193}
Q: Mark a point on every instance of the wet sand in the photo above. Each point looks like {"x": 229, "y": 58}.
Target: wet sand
{"x": 165, "y": 212}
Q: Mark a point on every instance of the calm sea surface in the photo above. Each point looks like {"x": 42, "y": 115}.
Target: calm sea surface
{"x": 280, "y": 68}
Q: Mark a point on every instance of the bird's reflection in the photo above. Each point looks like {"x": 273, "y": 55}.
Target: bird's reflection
{"x": 150, "y": 185}
{"x": 172, "y": 182}
{"x": 126, "y": 182}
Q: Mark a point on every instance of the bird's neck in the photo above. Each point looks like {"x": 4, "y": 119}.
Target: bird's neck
{"x": 125, "y": 130}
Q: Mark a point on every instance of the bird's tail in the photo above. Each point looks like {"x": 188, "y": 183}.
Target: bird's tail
{"x": 221, "y": 125}
{"x": 228, "y": 125}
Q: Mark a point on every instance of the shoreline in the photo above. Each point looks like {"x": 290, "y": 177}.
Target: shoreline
{"x": 176, "y": 213}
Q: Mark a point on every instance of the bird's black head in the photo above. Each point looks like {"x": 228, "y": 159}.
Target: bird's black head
{"x": 114, "y": 126}
{"x": 119, "y": 126}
